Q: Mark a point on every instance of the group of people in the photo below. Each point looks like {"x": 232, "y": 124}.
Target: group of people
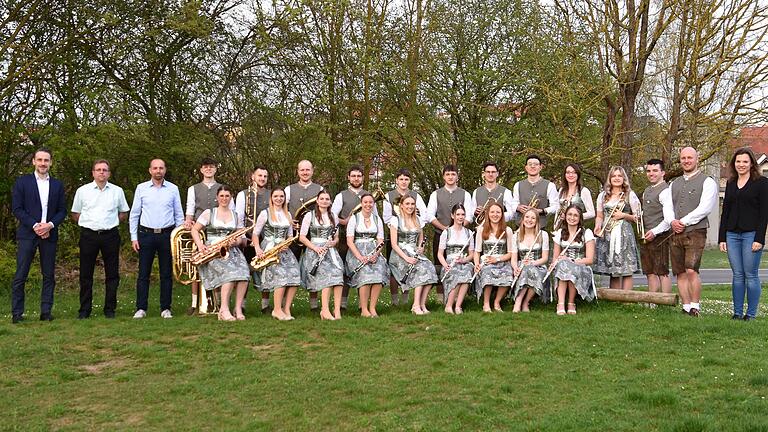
{"x": 340, "y": 242}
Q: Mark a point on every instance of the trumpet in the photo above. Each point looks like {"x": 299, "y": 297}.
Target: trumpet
{"x": 272, "y": 256}
{"x": 608, "y": 223}
{"x": 534, "y": 201}
{"x": 641, "y": 225}
{"x": 481, "y": 217}
{"x": 561, "y": 214}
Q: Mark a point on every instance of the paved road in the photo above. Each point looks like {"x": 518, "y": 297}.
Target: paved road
{"x": 708, "y": 276}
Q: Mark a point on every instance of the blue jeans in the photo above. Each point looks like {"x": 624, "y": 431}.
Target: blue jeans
{"x": 151, "y": 244}
{"x": 744, "y": 264}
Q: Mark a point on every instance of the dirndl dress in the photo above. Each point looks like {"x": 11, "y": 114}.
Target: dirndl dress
{"x": 532, "y": 276}
{"x": 580, "y": 274}
{"x": 286, "y": 272}
{"x": 456, "y": 246}
{"x": 497, "y": 274}
{"x": 231, "y": 268}
{"x": 330, "y": 270}
{"x": 423, "y": 272}
{"x": 365, "y": 239}
{"x": 616, "y": 253}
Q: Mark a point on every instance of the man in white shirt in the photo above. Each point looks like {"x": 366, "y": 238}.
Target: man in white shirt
{"x": 694, "y": 196}
{"x": 657, "y": 214}
{"x": 535, "y": 190}
{"x": 98, "y": 209}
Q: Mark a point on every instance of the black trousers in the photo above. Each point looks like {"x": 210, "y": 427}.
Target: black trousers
{"x": 91, "y": 244}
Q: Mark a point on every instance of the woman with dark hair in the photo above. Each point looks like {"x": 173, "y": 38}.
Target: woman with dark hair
{"x": 574, "y": 252}
{"x": 366, "y": 267}
{"x": 742, "y": 230}
{"x": 228, "y": 272}
{"x": 283, "y": 277}
{"x": 572, "y": 192}
{"x": 454, "y": 253}
{"x": 315, "y": 234}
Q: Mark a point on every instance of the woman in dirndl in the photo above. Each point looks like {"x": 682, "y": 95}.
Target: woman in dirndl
{"x": 454, "y": 253}
{"x": 408, "y": 264}
{"x": 530, "y": 252}
{"x": 574, "y": 252}
{"x": 366, "y": 267}
{"x": 493, "y": 246}
{"x": 281, "y": 278}
{"x": 321, "y": 266}
{"x": 228, "y": 272}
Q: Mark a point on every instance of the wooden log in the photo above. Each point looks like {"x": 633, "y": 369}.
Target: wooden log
{"x": 670, "y": 299}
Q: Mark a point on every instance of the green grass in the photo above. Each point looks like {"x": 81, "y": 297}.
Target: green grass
{"x": 713, "y": 258}
{"x": 611, "y": 367}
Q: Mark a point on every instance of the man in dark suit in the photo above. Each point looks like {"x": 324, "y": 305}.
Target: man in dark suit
{"x": 38, "y": 204}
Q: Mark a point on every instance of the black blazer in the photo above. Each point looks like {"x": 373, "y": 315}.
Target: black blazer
{"x": 28, "y": 209}
{"x": 745, "y": 209}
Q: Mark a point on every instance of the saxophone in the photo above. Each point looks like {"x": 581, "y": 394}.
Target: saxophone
{"x": 219, "y": 249}
{"x": 272, "y": 256}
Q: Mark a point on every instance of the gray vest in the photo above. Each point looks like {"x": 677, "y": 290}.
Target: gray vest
{"x": 482, "y": 195}
{"x": 300, "y": 195}
{"x": 686, "y": 196}
{"x": 255, "y": 202}
{"x": 653, "y": 213}
{"x": 393, "y": 196}
{"x": 445, "y": 202}
{"x": 526, "y": 190}
{"x": 349, "y": 200}
{"x": 205, "y": 197}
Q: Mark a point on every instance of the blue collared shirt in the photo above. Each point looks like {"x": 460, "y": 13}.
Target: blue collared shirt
{"x": 155, "y": 207}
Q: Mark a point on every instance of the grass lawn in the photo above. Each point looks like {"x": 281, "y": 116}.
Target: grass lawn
{"x": 713, "y": 258}
{"x": 611, "y": 367}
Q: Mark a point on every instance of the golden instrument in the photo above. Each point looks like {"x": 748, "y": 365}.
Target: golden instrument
{"x": 560, "y": 217}
{"x": 272, "y": 256}
{"x": 534, "y": 201}
{"x": 305, "y": 208}
{"x": 609, "y": 223}
{"x": 641, "y": 225}
{"x": 378, "y": 195}
{"x": 183, "y": 247}
{"x": 219, "y": 249}
{"x": 481, "y": 217}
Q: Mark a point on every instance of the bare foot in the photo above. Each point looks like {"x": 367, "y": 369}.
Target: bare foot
{"x": 337, "y": 316}
{"x": 365, "y": 314}
{"x": 449, "y": 310}
{"x": 526, "y": 308}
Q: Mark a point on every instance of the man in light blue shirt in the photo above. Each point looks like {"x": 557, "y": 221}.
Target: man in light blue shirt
{"x": 98, "y": 208}
{"x": 155, "y": 212}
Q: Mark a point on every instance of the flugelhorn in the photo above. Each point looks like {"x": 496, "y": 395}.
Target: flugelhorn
{"x": 534, "y": 201}
{"x": 608, "y": 223}
{"x": 481, "y": 217}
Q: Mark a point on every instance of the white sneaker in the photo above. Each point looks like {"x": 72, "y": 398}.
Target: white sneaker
{"x": 139, "y": 314}
{"x": 166, "y": 314}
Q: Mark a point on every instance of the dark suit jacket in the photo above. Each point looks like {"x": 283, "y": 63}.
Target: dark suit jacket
{"x": 28, "y": 209}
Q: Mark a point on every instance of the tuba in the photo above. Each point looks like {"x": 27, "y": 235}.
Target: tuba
{"x": 272, "y": 256}
{"x": 182, "y": 250}
{"x": 305, "y": 208}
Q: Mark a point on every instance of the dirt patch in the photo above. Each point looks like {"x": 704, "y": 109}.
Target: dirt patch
{"x": 98, "y": 368}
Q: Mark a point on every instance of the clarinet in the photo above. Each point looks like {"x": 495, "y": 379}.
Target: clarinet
{"x": 362, "y": 264}
{"x": 322, "y": 255}
{"x": 461, "y": 252}
{"x": 412, "y": 267}
{"x": 493, "y": 251}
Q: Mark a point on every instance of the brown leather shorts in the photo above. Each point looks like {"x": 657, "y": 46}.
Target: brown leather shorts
{"x": 654, "y": 255}
{"x": 686, "y": 249}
